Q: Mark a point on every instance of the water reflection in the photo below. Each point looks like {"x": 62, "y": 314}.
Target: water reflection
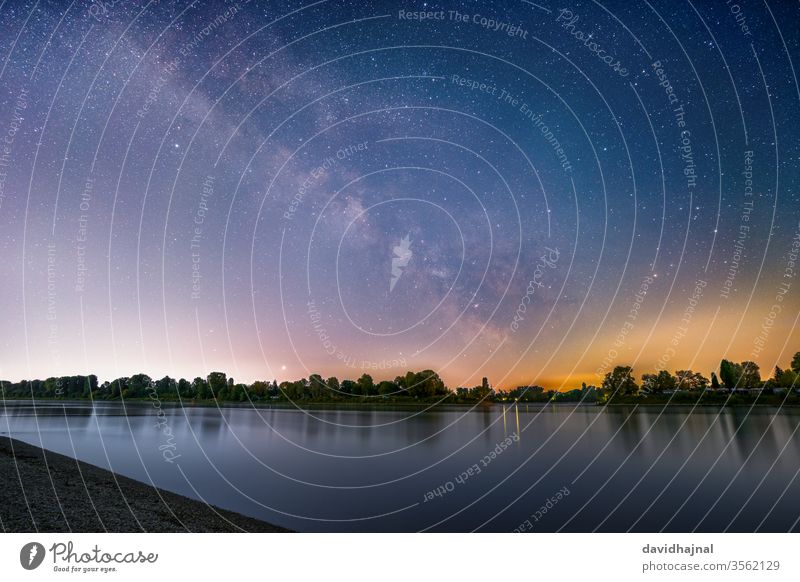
{"x": 373, "y": 470}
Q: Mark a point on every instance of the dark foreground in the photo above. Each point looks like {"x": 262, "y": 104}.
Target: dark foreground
{"x": 47, "y": 492}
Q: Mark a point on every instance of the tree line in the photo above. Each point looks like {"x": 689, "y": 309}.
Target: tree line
{"x": 734, "y": 377}
{"x": 424, "y": 386}
{"x": 218, "y": 386}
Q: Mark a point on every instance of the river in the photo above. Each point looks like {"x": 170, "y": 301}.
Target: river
{"x": 567, "y": 468}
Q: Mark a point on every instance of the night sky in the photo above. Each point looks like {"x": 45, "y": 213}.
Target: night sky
{"x": 529, "y": 192}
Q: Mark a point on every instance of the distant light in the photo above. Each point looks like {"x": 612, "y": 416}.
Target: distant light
{"x": 283, "y": 367}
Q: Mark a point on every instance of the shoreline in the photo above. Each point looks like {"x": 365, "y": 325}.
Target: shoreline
{"x": 421, "y": 406}
{"x": 43, "y": 491}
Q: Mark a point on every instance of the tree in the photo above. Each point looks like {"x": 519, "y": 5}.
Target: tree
{"x": 406, "y": 382}
{"x": 217, "y": 383}
{"x": 415, "y": 385}
{"x": 287, "y": 389}
{"x": 714, "y": 381}
{"x": 200, "y": 388}
{"x": 588, "y": 393}
{"x": 297, "y": 390}
{"x": 750, "y": 376}
{"x": 728, "y": 373}
{"x": 650, "y": 384}
{"x": 258, "y": 389}
{"x": 688, "y": 380}
{"x": 620, "y": 381}
{"x": 434, "y": 385}
{"x": 796, "y": 363}
{"x": 185, "y": 388}
{"x": 105, "y": 389}
{"x": 118, "y": 387}
{"x": 424, "y": 384}
{"x": 784, "y": 378}
{"x": 788, "y": 379}
{"x": 524, "y": 393}
{"x": 166, "y": 386}
{"x": 139, "y": 386}
{"x": 316, "y": 386}
{"x": 658, "y": 383}
{"x": 274, "y": 391}
{"x": 365, "y": 385}
{"x": 90, "y": 386}
{"x": 387, "y": 388}
{"x": 238, "y": 392}
{"x": 333, "y": 387}
{"x": 50, "y": 388}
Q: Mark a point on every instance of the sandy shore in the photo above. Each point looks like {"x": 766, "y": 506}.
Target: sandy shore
{"x": 69, "y": 495}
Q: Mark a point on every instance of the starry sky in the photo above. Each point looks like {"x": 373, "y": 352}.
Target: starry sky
{"x": 533, "y": 192}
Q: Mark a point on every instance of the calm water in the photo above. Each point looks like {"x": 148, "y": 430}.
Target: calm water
{"x": 373, "y": 470}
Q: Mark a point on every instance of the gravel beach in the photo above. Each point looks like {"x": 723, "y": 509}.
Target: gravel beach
{"x": 48, "y": 492}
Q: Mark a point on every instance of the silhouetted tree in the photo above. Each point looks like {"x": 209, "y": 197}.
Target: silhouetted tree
{"x": 200, "y": 388}
{"x": 688, "y": 380}
{"x": 658, "y": 383}
{"x": 185, "y": 389}
{"x": 334, "y": 390}
{"x": 258, "y": 389}
{"x": 274, "y": 391}
{"x": 750, "y": 376}
{"x": 166, "y": 386}
{"x": 139, "y": 386}
{"x": 795, "y": 365}
{"x": 620, "y": 381}
{"x": 728, "y": 373}
{"x": 348, "y": 387}
{"x": 784, "y": 378}
{"x": 238, "y": 392}
{"x": 316, "y": 386}
{"x": 365, "y": 385}
{"x": 217, "y": 383}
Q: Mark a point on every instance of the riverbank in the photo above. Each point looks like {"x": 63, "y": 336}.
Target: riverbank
{"x": 709, "y": 400}
{"x": 48, "y": 492}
